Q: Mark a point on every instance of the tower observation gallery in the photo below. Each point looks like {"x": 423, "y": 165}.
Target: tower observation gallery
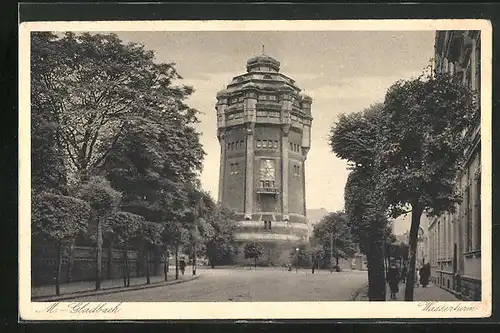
{"x": 264, "y": 130}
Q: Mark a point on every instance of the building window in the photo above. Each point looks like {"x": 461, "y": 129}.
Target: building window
{"x": 291, "y": 146}
{"x": 233, "y": 168}
{"x": 275, "y": 144}
{"x": 259, "y": 143}
{"x": 296, "y": 171}
{"x": 228, "y": 145}
{"x": 242, "y": 144}
{"x": 267, "y": 225}
{"x": 262, "y": 97}
{"x": 272, "y": 97}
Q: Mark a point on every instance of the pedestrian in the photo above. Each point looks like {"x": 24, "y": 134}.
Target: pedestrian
{"x": 393, "y": 280}
{"x": 424, "y": 275}
{"x": 417, "y": 274}
{"x": 404, "y": 271}
{"x": 182, "y": 265}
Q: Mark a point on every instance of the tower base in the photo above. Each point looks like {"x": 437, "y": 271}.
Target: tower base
{"x": 275, "y": 253}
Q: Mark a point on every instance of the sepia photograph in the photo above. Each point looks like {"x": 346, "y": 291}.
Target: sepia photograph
{"x": 256, "y": 166}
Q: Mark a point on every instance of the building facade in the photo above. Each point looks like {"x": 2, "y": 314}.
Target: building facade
{"x": 455, "y": 239}
{"x": 264, "y": 129}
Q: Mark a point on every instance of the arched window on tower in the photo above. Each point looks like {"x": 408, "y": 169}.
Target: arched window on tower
{"x": 267, "y": 77}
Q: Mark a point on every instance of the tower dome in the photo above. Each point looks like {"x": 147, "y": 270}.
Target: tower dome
{"x": 263, "y": 63}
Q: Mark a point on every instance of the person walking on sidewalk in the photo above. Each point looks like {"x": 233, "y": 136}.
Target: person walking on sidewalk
{"x": 424, "y": 275}
{"x": 393, "y": 280}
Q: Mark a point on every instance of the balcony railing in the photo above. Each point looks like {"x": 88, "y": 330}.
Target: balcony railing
{"x": 267, "y": 190}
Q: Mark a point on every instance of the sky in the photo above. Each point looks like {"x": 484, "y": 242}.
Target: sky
{"x": 343, "y": 71}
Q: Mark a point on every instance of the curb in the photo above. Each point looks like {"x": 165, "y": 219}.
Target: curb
{"x": 109, "y": 291}
{"x": 355, "y": 295}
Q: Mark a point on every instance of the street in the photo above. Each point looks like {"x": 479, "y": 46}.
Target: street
{"x": 242, "y": 284}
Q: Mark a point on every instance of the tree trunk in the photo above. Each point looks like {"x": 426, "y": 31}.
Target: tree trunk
{"x": 127, "y": 262}
{"x": 98, "y": 256}
{"x": 194, "y": 263}
{"x": 176, "y": 262}
{"x": 71, "y": 261}
{"x": 165, "y": 265}
{"x": 124, "y": 273}
{"x": 58, "y": 270}
{"x": 376, "y": 260}
{"x": 138, "y": 262}
{"x": 148, "y": 275}
{"x": 255, "y": 262}
{"x": 110, "y": 261}
{"x": 369, "y": 268}
{"x": 157, "y": 261}
{"x": 416, "y": 213}
{"x": 337, "y": 261}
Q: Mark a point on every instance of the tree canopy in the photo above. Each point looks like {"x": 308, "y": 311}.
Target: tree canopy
{"x": 58, "y": 217}
{"x": 333, "y": 229}
{"x": 422, "y": 143}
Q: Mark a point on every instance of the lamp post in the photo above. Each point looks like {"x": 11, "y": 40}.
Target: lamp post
{"x": 297, "y": 255}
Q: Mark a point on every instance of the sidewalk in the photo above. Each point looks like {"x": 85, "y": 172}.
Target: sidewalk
{"x": 87, "y": 288}
{"x": 431, "y": 293}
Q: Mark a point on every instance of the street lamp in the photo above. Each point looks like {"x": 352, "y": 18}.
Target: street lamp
{"x": 297, "y": 255}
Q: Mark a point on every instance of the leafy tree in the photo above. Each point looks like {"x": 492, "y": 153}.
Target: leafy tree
{"x": 354, "y": 138}
{"x": 152, "y": 236}
{"x": 253, "y": 251}
{"x": 301, "y": 257}
{"x": 218, "y": 234}
{"x": 48, "y": 171}
{"x": 334, "y": 235}
{"x": 121, "y": 228}
{"x": 98, "y": 86}
{"x": 103, "y": 200}
{"x": 174, "y": 236}
{"x": 420, "y": 150}
{"x": 60, "y": 219}
{"x": 318, "y": 256}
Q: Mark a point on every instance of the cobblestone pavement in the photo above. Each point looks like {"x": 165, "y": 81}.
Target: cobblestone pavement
{"x": 243, "y": 284}
{"x": 430, "y": 293}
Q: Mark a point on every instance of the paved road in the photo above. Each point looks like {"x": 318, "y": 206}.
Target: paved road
{"x": 261, "y": 285}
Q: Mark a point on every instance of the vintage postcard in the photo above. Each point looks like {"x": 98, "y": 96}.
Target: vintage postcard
{"x": 255, "y": 169}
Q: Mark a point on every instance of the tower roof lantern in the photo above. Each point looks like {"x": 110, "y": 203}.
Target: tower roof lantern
{"x": 263, "y": 61}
